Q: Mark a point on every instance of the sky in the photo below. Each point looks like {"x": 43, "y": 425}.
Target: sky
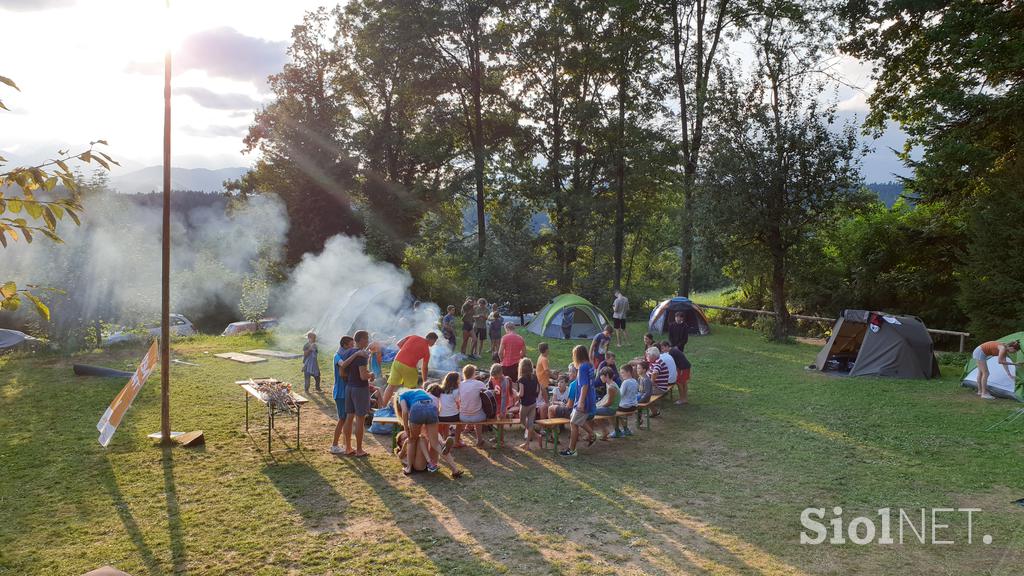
{"x": 93, "y": 69}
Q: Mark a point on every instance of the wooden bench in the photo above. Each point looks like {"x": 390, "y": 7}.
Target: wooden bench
{"x": 645, "y": 408}
{"x": 552, "y": 424}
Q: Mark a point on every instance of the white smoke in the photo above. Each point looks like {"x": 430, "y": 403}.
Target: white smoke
{"x": 343, "y": 289}
{"x": 109, "y": 267}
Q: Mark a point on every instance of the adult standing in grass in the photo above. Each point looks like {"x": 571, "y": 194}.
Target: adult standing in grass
{"x": 357, "y": 394}
{"x": 467, "y": 325}
{"x": 418, "y": 412}
{"x": 679, "y": 331}
{"x": 412, "y": 350}
{"x": 342, "y": 358}
{"x": 511, "y": 350}
{"x": 620, "y": 308}
{"x": 480, "y": 314}
{"x": 682, "y": 366}
{"x": 987, "y": 350}
{"x": 584, "y": 401}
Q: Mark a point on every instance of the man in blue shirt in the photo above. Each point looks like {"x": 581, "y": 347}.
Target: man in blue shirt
{"x": 344, "y": 356}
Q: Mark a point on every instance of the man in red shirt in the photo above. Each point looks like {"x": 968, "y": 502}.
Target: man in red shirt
{"x": 411, "y": 350}
{"x": 511, "y": 351}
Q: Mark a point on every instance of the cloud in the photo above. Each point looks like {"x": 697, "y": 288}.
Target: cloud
{"x": 34, "y": 5}
{"x": 215, "y": 131}
{"x": 226, "y": 53}
{"x": 218, "y": 101}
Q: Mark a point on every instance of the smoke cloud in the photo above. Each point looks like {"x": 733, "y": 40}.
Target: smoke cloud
{"x": 109, "y": 267}
{"x": 343, "y": 289}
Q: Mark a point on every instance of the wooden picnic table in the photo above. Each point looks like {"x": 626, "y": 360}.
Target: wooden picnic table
{"x": 250, "y": 391}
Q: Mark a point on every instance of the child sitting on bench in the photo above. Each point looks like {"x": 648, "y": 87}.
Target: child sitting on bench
{"x": 628, "y": 393}
{"x": 608, "y": 405}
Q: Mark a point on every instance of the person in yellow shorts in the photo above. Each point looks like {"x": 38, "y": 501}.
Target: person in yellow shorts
{"x": 411, "y": 350}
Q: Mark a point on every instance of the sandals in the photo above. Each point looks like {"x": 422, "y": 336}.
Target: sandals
{"x": 591, "y": 440}
{"x": 458, "y": 473}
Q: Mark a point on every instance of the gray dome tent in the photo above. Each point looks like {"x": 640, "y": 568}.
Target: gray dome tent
{"x": 868, "y": 343}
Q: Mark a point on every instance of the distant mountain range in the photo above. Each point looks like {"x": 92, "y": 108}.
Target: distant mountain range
{"x": 887, "y": 192}
{"x": 151, "y": 179}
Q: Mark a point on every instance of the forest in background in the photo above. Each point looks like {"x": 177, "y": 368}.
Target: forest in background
{"x": 667, "y": 146}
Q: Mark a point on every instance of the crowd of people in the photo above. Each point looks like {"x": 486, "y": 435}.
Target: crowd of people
{"x": 440, "y": 416}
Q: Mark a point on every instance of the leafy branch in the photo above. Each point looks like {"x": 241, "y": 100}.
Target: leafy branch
{"x": 24, "y": 214}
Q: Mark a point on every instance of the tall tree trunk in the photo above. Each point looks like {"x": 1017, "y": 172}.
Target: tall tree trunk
{"x": 476, "y": 69}
{"x": 620, "y": 169}
{"x": 689, "y": 168}
{"x": 781, "y": 328}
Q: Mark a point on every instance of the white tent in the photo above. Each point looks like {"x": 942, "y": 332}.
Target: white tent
{"x": 999, "y": 384}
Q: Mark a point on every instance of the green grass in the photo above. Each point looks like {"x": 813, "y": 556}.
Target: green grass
{"x": 715, "y": 487}
{"x": 720, "y": 297}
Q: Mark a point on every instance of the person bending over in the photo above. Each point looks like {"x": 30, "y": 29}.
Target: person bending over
{"x": 412, "y": 350}
{"x": 418, "y": 412}
{"x": 987, "y": 350}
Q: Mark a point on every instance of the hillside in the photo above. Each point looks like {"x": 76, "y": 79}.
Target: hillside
{"x": 150, "y": 179}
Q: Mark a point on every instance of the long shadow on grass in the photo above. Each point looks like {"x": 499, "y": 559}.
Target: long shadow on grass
{"x": 464, "y": 554}
{"x": 178, "y": 556}
{"x": 669, "y": 528}
{"x": 131, "y": 527}
{"x": 307, "y": 491}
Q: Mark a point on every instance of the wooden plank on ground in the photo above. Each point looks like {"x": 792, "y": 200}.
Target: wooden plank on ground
{"x": 273, "y": 354}
{"x": 106, "y": 571}
{"x": 239, "y": 357}
{"x": 193, "y": 438}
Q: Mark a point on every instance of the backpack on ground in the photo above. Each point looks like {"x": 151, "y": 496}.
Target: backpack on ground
{"x": 489, "y": 402}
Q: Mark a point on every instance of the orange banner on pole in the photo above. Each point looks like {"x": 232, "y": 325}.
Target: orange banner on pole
{"x": 115, "y": 412}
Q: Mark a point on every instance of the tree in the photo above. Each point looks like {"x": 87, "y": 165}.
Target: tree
{"x": 637, "y": 68}
{"x": 465, "y": 40}
{"x": 23, "y": 215}
{"x": 403, "y": 137}
{"x": 303, "y": 135}
{"x": 560, "y": 72}
{"x": 778, "y": 169}
{"x": 950, "y": 74}
{"x": 698, "y": 27}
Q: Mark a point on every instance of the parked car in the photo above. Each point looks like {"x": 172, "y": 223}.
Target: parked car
{"x": 14, "y": 339}
{"x": 179, "y": 326}
{"x": 236, "y": 328}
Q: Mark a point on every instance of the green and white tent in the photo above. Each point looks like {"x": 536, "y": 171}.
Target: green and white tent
{"x": 568, "y": 316}
{"x": 999, "y": 384}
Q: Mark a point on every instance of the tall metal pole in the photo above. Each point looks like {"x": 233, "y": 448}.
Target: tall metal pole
{"x": 165, "y": 278}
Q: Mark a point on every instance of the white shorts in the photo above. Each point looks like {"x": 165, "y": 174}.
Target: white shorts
{"x": 979, "y": 355}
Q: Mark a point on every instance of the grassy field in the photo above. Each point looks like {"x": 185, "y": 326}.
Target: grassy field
{"x": 716, "y": 487}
